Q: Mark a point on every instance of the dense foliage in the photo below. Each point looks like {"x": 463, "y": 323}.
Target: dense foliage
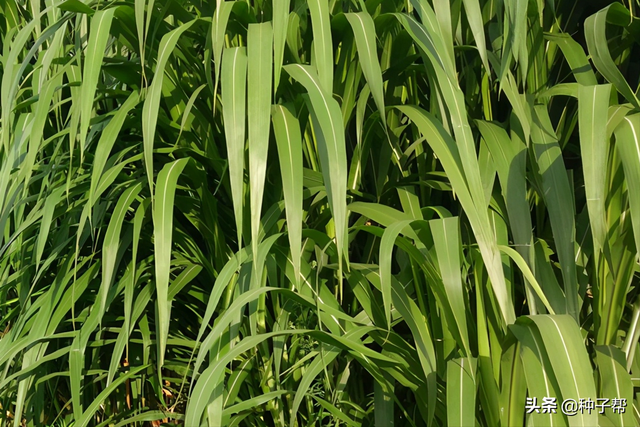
{"x": 318, "y": 212}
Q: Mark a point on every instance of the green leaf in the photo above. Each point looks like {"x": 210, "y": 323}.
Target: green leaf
{"x": 474, "y": 16}
{"x": 557, "y": 195}
{"x": 218, "y": 31}
{"x": 95, "y": 404}
{"x": 260, "y": 63}
{"x": 106, "y": 142}
{"x": 615, "y": 383}
{"x": 382, "y": 214}
{"x": 446, "y": 237}
{"x": 280, "y": 26}
{"x": 322, "y": 44}
{"x": 628, "y": 146}
{"x": 99, "y": 35}
{"x": 152, "y": 101}
{"x": 446, "y": 151}
{"x": 509, "y": 156}
{"x": 386, "y": 251}
{"x": 112, "y": 242}
{"x": 569, "y": 359}
{"x": 45, "y": 225}
{"x": 541, "y": 381}
{"x": 365, "y": 35}
{"x": 76, "y": 6}
{"x": 595, "y": 28}
{"x": 383, "y": 405}
{"x": 526, "y": 272}
{"x": 162, "y": 243}
{"x": 289, "y": 141}
{"x": 461, "y": 392}
{"x": 234, "y": 93}
{"x": 592, "y": 109}
{"x": 419, "y": 328}
{"x": 328, "y": 130}
{"x": 575, "y": 56}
